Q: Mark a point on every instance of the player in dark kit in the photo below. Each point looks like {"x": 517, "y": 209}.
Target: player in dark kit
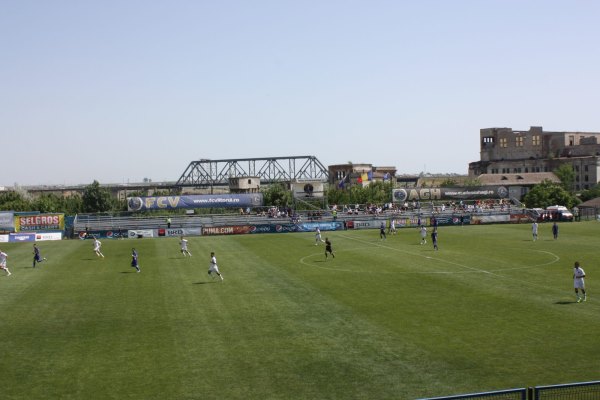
{"x": 434, "y": 237}
{"x": 382, "y": 231}
{"x": 328, "y": 248}
{"x": 37, "y": 258}
{"x": 134, "y": 260}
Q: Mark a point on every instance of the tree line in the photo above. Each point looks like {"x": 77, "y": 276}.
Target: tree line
{"x": 95, "y": 198}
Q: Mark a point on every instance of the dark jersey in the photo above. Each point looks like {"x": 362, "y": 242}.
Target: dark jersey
{"x": 328, "y": 246}
{"x": 36, "y": 254}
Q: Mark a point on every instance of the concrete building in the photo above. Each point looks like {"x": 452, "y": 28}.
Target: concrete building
{"x": 504, "y": 151}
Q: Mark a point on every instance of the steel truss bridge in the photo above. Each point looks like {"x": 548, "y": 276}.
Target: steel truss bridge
{"x": 209, "y": 173}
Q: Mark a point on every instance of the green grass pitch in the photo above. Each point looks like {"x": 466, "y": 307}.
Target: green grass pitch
{"x": 386, "y": 319}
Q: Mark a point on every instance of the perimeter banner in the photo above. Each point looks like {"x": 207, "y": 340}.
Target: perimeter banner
{"x": 7, "y": 223}
{"x": 194, "y": 201}
{"x": 21, "y": 237}
{"x": 444, "y": 193}
{"x": 40, "y": 222}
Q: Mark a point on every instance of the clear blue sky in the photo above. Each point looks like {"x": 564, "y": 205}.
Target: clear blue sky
{"x": 119, "y": 91}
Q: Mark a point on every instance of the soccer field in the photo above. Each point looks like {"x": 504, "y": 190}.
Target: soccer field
{"x": 386, "y": 319}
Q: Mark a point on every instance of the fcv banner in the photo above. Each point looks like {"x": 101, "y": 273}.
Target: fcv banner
{"x": 197, "y": 201}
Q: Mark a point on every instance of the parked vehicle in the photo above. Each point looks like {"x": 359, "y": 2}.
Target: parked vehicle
{"x": 559, "y": 213}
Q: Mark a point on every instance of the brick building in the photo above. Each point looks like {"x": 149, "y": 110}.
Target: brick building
{"x": 505, "y": 151}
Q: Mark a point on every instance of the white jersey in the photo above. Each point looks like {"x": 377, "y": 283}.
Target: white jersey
{"x": 184, "y": 244}
{"x": 423, "y": 232}
{"x": 534, "y": 228}
{"x": 97, "y": 244}
{"x": 213, "y": 265}
{"x": 3, "y": 256}
{"x": 578, "y": 274}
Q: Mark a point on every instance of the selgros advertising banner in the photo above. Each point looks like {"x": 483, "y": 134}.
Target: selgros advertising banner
{"x": 194, "y": 201}
{"x": 40, "y": 222}
{"x": 443, "y": 193}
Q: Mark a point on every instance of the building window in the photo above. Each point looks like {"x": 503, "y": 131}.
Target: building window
{"x": 503, "y": 142}
{"x": 571, "y": 140}
{"x": 488, "y": 139}
{"x": 535, "y": 140}
{"x": 585, "y": 168}
{"x": 585, "y": 178}
{"x": 519, "y": 141}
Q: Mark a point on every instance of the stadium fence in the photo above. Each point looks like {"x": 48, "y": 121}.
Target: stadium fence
{"x": 571, "y": 391}
{"x": 510, "y": 394}
{"x": 568, "y": 391}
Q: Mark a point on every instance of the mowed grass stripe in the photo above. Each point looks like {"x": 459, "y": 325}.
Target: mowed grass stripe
{"x": 287, "y": 323}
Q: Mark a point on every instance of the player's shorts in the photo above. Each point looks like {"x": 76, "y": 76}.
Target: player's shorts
{"x": 3, "y": 264}
{"x": 37, "y": 257}
{"x": 213, "y": 268}
{"x": 579, "y": 283}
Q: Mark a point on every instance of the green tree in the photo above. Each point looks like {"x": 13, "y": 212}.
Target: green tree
{"x": 379, "y": 192}
{"x": 472, "y": 182}
{"x": 566, "y": 175}
{"x": 72, "y": 204}
{"x": 14, "y": 201}
{"x": 547, "y": 194}
{"x": 449, "y": 182}
{"x": 96, "y": 199}
{"x": 590, "y": 193}
{"x": 376, "y": 192}
{"x": 277, "y": 195}
{"x": 337, "y": 196}
{"x": 48, "y": 203}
